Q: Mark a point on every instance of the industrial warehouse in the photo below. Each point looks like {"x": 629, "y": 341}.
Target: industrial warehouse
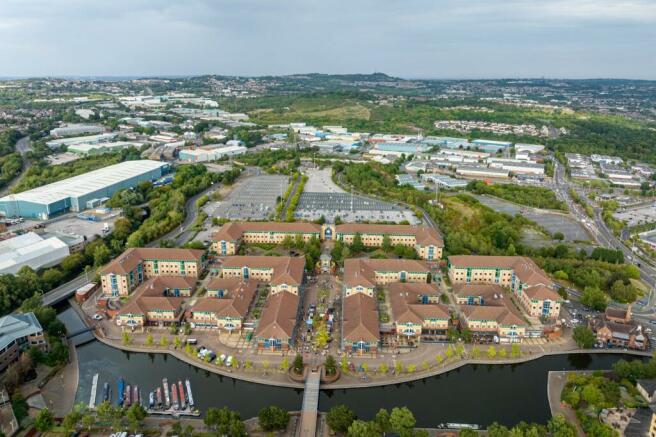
{"x": 80, "y": 192}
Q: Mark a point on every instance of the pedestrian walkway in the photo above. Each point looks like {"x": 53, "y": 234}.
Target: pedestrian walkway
{"x": 308, "y": 425}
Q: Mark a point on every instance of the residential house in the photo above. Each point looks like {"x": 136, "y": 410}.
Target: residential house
{"x": 283, "y": 273}
{"x": 227, "y": 311}
{"x": 126, "y": 272}
{"x": 530, "y": 284}
{"x": 426, "y": 240}
{"x": 362, "y": 275}
{"x": 157, "y": 302}
{"x": 18, "y": 333}
{"x": 415, "y": 312}
{"x": 231, "y": 235}
{"x": 360, "y": 329}
{"x": 277, "y": 326}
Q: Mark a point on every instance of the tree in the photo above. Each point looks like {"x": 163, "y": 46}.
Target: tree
{"x": 623, "y": 292}
{"x": 559, "y": 236}
{"x": 515, "y": 350}
{"x": 101, "y": 255}
{"x": 126, "y": 338}
{"x": 164, "y": 341}
{"x": 383, "y": 368}
{"x": 383, "y": 421}
{"x": 322, "y": 336}
{"x": 584, "y": 337}
{"x": 284, "y": 365}
{"x": 149, "y": 339}
{"x": 467, "y": 433}
{"x": 339, "y": 418}
{"x": 387, "y": 243}
{"x": 592, "y": 395}
{"x": 297, "y": 366}
{"x": 497, "y": 430}
{"x": 439, "y": 358}
{"x": 491, "y": 352}
{"x": 357, "y": 246}
{"x": 594, "y": 298}
{"x": 402, "y": 421}
{"x": 273, "y": 418}
{"x": 559, "y": 427}
{"x": 475, "y": 352}
{"x": 135, "y": 414}
{"x": 330, "y": 365}
{"x": 44, "y": 420}
{"x": 360, "y": 428}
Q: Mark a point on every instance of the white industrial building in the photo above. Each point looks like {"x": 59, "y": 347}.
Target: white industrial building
{"x": 530, "y": 148}
{"x": 31, "y": 250}
{"x": 210, "y": 153}
{"x": 89, "y": 139}
{"x": 482, "y": 172}
{"x": 444, "y": 181}
{"x": 76, "y": 129}
{"x": 100, "y": 148}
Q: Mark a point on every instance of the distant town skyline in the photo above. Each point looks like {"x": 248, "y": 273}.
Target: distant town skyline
{"x": 436, "y": 39}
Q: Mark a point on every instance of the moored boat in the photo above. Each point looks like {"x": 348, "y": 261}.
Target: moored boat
{"x": 135, "y": 395}
{"x": 182, "y": 395}
{"x": 167, "y": 399}
{"x": 121, "y": 391}
{"x": 105, "y": 395}
{"x": 151, "y": 399}
{"x": 190, "y": 398}
{"x": 174, "y": 396}
{"x": 128, "y": 395}
{"x": 159, "y": 396}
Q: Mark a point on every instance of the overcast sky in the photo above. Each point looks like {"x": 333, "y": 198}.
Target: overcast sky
{"x": 407, "y": 38}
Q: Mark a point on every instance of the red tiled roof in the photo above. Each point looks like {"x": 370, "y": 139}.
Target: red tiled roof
{"x": 278, "y": 316}
{"x": 286, "y": 270}
{"x": 128, "y": 260}
{"x": 424, "y": 235}
{"x": 361, "y": 271}
{"x": 360, "y": 319}
{"x": 234, "y": 230}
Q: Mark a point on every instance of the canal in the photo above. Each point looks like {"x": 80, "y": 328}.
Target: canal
{"x": 478, "y": 394}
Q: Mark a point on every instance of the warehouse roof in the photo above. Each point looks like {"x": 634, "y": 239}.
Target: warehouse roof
{"x": 85, "y": 183}
{"x": 31, "y": 250}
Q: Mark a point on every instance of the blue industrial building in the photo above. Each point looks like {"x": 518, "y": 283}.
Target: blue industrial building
{"x": 490, "y": 145}
{"x": 80, "y": 192}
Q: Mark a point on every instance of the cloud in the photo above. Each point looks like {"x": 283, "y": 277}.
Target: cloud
{"x": 436, "y": 38}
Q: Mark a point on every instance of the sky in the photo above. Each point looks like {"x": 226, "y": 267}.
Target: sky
{"x": 404, "y": 38}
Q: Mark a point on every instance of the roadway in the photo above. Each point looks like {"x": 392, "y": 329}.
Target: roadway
{"x": 605, "y": 237}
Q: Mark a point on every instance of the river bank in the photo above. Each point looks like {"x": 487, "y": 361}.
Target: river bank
{"x": 281, "y": 379}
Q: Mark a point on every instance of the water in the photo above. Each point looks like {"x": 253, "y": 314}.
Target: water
{"x": 478, "y": 394}
{"x": 147, "y": 371}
